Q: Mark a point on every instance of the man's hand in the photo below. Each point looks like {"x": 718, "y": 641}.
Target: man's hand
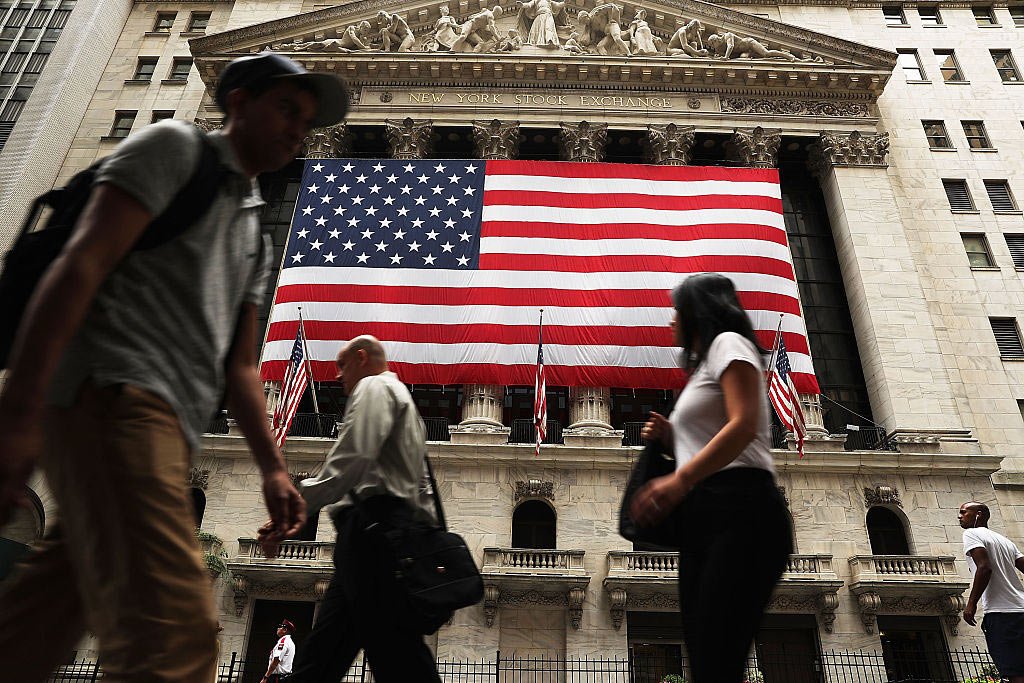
{"x": 286, "y": 507}
{"x": 21, "y": 442}
{"x": 969, "y": 613}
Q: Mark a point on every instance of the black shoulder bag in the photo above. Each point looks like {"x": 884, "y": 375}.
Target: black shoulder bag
{"x": 433, "y": 569}
{"x": 652, "y": 463}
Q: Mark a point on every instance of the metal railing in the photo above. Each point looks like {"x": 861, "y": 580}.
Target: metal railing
{"x": 437, "y": 429}
{"x": 523, "y": 432}
{"x": 834, "y": 666}
{"x": 631, "y": 434}
{"x": 219, "y": 424}
{"x": 321, "y": 425}
{"x": 868, "y": 439}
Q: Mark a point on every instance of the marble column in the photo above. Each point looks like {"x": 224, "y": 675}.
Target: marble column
{"x": 910, "y": 390}
{"x": 333, "y": 142}
{"x": 583, "y": 141}
{"x": 670, "y": 145}
{"x": 759, "y": 148}
{"x": 409, "y": 138}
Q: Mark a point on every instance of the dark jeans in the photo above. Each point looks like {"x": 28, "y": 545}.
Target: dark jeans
{"x": 354, "y": 615}
{"x": 735, "y": 539}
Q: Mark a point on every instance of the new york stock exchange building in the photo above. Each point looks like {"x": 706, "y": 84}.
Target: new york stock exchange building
{"x": 897, "y": 135}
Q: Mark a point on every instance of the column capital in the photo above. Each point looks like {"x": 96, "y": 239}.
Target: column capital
{"x": 758, "y": 147}
{"x": 208, "y": 125}
{"x": 669, "y": 144}
{"x": 409, "y": 138}
{"x": 496, "y": 139}
{"x": 583, "y": 141}
{"x": 849, "y": 149}
{"x": 332, "y": 142}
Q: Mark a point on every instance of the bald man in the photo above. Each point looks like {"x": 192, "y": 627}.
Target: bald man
{"x": 994, "y": 560}
{"x": 379, "y": 459}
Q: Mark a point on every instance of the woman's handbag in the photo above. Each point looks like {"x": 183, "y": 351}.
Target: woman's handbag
{"x": 433, "y": 569}
{"x": 652, "y": 463}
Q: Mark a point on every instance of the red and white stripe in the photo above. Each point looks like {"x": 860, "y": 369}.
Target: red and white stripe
{"x": 784, "y": 398}
{"x": 597, "y": 246}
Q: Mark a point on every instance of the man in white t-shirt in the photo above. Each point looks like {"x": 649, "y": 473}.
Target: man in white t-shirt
{"x": 994, "y": 561}
{"x": 283, "y": 654}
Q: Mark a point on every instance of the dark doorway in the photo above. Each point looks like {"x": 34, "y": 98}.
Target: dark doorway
{"x": 787, "y": 649}
{"x": 266, "y": 616}
{"x": 655, "y": 645}
{"x": 198, "y": 505}
{"x": 914, "y": 650}
{"x": 885, "y": 529}
{"x": 533, "y": 526}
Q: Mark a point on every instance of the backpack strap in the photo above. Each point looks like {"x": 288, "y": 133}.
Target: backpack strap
{"x": 191, "y": 202}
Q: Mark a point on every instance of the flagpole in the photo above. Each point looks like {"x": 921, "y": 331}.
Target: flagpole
{"x": 775, "y": 349}
{"x": 309, "y": 367}
{"x": 536, "y": 384}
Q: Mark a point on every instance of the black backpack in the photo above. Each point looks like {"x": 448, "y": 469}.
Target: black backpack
{"x": 34, "y": 251}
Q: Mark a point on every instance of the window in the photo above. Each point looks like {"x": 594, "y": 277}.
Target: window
{"x": 911, "y": 65}
{"x": 984, "y": 15}
{"x": 958, "y": 195}
{"x": 1005, "y": 66}
{"x": 179, "y": 69}
{"x": 164, "y": 22}
{"x": 977, "y": 250}
{"x": 894, "y": 15}
{"x": 1017, "y": 14}
{"x": 914, "y": 649}
{"x": 533, "y": 525}
{"x": 162, "y": 115}
{"x": 144, "y": 69}
{"x": 930, "y": 15}
{"x": 977, "y": 137}
{"x": 198, "y": 21}
{"x": 1020, "y": 407}
{"x": 123, "y": 121}
{"x": 1007, "y": 337}
{"x": 1015, "y": 243}
{"x": 948, "y": 66}
{"x": 999, "y": 194}
{"x": 935, "y": 131}
{"x": 886, "y": 532}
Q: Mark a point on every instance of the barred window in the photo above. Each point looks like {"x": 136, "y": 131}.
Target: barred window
{"x": 958, "y": 195}
{"x": 1015, "y": 243}
{"x": 999, "y": 194}
{"x": 1007, "y": 337}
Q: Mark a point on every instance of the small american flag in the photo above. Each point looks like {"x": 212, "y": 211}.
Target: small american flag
{"x": 447, "y": 262}
{"x": 540, "y": 396}
{"x": 292, "y": 388}
{"x": 784, "y": 397}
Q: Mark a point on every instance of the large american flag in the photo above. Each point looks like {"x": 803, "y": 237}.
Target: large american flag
{"x": 784, "y": 398}
{"x": 447, "y": 262}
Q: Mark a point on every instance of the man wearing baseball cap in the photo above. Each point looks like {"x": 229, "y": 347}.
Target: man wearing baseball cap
{"x": 120, "y": 360}
{"x": 283, "y": 654}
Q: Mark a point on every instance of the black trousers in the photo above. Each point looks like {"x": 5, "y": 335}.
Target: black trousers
{"x": 735, "y": 539}
{"x": 355, "y": 615}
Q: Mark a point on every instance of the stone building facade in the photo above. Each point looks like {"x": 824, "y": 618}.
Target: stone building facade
{"x": 898, "y": 135}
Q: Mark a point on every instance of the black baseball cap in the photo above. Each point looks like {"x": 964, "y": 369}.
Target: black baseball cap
{"x": 331, "y": 93}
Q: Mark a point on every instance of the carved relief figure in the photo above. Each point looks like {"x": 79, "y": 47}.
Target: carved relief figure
{"x": 394, "y": 32}
{"x": 728, "y": 45}
{"x": 351, "y": 40}
{"x": 537, "y": 21}
{"x": 601, "y": 30}
{"x": 479, "y": 33}
{"x": 572, "y": 45}
{"x": 446, "y": 30}
{"x": 640, "y": 37}
{"x": 688, "y": 40}
{"x": 511, "y": 42}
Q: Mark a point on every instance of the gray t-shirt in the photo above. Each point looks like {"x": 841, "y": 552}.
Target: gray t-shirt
{"x": 165, "y": 318}
{"x": 699, "y": 413}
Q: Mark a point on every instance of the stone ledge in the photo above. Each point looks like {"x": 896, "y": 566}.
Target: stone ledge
{"x": 1008, "y": 481}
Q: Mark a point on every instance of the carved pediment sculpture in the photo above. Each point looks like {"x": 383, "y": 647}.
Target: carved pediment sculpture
{"x": 601, "y": 30}
{"x": 479, "y": 33}
{"x": 641, "y": 40}
{"x": 539, "y": 21}
{"x": 354, "y": 38}
{"x": 395, "y": 34}
{"x": 446, "y": 31}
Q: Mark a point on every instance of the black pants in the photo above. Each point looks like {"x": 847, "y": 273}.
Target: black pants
{"x": 354, "y": 616}
{"x": 735, "y": 539}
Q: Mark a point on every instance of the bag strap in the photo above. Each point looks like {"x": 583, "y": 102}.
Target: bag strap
{"x": 437, "y": 497}
{"x": 191, "y": 202}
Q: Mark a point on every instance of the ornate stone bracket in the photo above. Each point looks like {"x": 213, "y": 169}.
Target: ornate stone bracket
{"x": 574, "y": 599}
{"x": 496, "y": 140}
{"x": 491, "y": 596}
{"x": 869, "y": 603}
{"x": 849, "y": 149}
{"x": 828, "y": 603}
{"x": 409, "y": 138}
{"x": 882, "y": 495}
{"x": 198, "y": 479}
{"x": 240, "y": 587}
{"x": 951, "y": 607}
{"x": 617, "y": 599}
{"x": 758, "y": 147}
{"x": 583, "y": 141}
{"x": 670, "y": 145}
{"x": 332, "y": 142}
{"x": 517, "y": 593}
{"x": 534, "y": 488}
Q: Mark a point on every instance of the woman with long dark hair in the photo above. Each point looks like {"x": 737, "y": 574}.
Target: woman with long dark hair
{"x": 735, "y": 533}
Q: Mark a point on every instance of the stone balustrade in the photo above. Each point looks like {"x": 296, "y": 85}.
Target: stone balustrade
{"x": 292, "y": 552}
{"x": 533, "y": 560}
{"x": 902, "y": 567}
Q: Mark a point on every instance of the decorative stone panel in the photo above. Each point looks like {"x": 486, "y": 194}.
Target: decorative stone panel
{"x": 882, "y": 495}
{"x": 534, "y": 488}
{"x": 849, "y": 149}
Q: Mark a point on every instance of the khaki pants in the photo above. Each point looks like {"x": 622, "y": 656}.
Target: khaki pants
{"x": 123, "y": 561}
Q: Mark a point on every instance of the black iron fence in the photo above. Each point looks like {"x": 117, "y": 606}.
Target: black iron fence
{"x": 956, "y": 666}
{"x": 437, "y": 429}
{"x": 872, "y": 438}
{"x": 631, "y": 434}
{"x": 522, "y": 432}
{"x": 322, "y": 425}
